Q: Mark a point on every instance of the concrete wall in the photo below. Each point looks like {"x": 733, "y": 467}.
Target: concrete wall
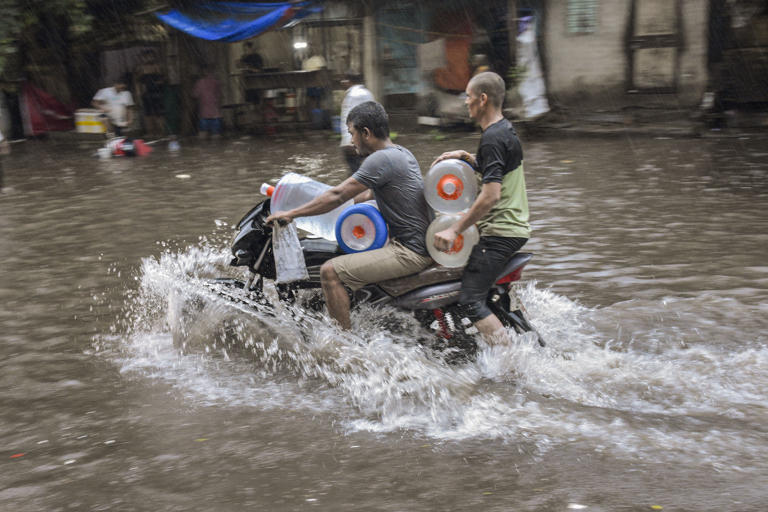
{"x": 588, "y": 69}
{"x": 693, "y": 70}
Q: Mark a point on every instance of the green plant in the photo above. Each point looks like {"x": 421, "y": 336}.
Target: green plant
{"x": 24, "y": 21}
{"x": 437, "y": 135}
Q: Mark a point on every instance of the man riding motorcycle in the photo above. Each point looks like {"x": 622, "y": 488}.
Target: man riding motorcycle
{"x": 391, "y": 175}
{"x": 501, "y": 208}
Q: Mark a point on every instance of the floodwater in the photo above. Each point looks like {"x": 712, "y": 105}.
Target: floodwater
{"x": 649, "y": 282}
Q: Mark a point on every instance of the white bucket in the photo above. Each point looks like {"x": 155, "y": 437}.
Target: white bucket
{"x": 450, "y": 186}
{"x": 89, "y": 121}
{"x": 294, "y": 190}
{"x": 458, "y": 255}
{"x": 361, "y": 227}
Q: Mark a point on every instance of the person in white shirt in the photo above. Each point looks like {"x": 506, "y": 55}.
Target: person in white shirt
{"x": 116, "y": 103}
{"x": 355, "y": 95}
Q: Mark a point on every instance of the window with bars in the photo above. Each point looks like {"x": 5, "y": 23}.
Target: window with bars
{"x": 582, "y": 16}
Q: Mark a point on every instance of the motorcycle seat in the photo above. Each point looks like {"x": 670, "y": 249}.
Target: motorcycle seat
{"x": 440, "y": 274}
{"x": 433, "y": 274}
{"x": 518, "y": 260}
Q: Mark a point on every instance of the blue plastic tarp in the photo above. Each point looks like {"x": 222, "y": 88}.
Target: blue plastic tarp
{"x": 234, "y": 21}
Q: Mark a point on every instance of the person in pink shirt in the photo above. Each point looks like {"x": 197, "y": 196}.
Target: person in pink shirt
{"x": 207, "y": 91}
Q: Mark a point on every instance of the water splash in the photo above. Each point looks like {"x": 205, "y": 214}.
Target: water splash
{"x": 656, "y": 384}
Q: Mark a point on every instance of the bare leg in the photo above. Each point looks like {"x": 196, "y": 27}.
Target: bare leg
{"x": 492, "y": 330}
{"x": 336, "y": 297}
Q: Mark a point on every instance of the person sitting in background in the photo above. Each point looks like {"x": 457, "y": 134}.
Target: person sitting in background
{"x": 115, "y": 102}
{"x": 251, "y": 62}
{"x": 207, "y": 91}
{"x": 479, "y": 63}
{"x": 355, "y": 95}
{"x": 315, "y": 95}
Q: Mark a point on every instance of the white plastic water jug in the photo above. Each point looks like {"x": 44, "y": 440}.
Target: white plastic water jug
{"x": 450, "y": 186}
{"x": 294, "y": 190}
{"x": 361, "y": 228}
{"x": 458, "y": 254}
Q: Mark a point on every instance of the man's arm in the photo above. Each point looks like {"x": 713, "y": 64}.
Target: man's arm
{"x": 489, "y": 195}
{"x": 325, "y": 202}
{"x": 99, "y": 100}
{"x": 364, "y": 196}
{"x": 459, "y": 154}
{"x": 99, "y": 104}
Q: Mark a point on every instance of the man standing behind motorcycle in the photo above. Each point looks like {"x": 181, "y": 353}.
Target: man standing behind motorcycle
{"x": 391, "y": 175}
{"x": 501, "y": 208}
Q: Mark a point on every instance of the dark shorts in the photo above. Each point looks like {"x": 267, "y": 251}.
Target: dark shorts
{"x": 486, "y": 262}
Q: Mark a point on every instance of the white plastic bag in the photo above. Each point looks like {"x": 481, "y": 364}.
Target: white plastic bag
{"x": 289, "y": 259}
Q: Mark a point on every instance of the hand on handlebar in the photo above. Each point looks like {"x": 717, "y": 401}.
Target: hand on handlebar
{"x": 281, "y": 218}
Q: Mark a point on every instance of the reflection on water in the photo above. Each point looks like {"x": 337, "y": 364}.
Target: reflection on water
{"x": 124, "y": 373}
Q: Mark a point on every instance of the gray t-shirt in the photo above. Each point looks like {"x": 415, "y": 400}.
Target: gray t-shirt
{"x": 395, "y": 178}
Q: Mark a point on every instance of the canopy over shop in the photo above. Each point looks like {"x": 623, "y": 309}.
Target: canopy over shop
{"x": 302, "y": 49}
{"x": 235, "y": 21}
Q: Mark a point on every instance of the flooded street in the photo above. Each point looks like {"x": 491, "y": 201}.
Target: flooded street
{"x": 649, "y": 282}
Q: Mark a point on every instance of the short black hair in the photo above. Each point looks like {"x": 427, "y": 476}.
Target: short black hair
{"x": 370, "y": 115}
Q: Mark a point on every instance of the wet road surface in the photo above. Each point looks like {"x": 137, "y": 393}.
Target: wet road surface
{"x": 649, "y": 281}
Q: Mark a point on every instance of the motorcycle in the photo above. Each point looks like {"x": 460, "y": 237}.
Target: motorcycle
{"x": 431, "y": 295}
